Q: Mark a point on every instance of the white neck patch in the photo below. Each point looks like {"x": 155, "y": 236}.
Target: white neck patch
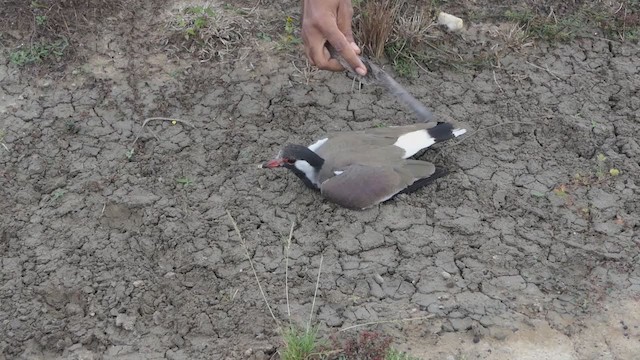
{"x": 308, "y": 170}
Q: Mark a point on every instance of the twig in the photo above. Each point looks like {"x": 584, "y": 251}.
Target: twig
{"x": 313, "y": 303}
{"x": 255, "y": 274}
{"x": 387, "y": 322}
{"x": 417, "y": 64}
{"x": 496, "y": 81}
{"x": 104, "y": 206}
{"x": 545, "y": 69}
{"x": 286, "y": 269}
{"x": 5, "y": 147}
{"x": 146, "y": 121}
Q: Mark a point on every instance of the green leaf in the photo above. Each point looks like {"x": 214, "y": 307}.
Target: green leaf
{"x": 537, "y": 193}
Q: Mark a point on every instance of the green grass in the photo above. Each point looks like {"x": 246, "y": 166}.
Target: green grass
{"x": 184, "y": 181}
{"x": 545, "y": 28}
{"x": 401, "y": 59}
{"x": 299, "y": 344}
{"x": 38, "y": 52}
{"x": 623, "y": 24}
{"x": 195, "y": 19}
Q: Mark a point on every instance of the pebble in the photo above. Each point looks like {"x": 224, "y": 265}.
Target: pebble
{"x": 446, "y": 275}
{"x": 378, "y": 279}
{"x": 138, "y": 283}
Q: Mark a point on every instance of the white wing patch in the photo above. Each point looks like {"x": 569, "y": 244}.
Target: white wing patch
{"x": 308, "y": 170}
{"x": 414, "y": 141}
{"x": 458, "y": 132}
{"x": 315, "y": 146}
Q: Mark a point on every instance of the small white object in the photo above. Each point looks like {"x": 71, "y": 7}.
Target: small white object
{"x": 337, "y": 172}
{"x": 453, "y": 23}
{"x": 458, "y": 132}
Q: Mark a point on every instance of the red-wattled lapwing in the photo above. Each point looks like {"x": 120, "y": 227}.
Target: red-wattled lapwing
{"x": 359, "y": 169}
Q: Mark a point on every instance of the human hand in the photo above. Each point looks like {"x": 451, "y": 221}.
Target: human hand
{"x": 330, "y": 20}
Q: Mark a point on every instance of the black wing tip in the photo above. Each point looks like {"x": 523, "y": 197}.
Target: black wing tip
{"x": 444, "y": 131}
{"x": 420, "y": 183}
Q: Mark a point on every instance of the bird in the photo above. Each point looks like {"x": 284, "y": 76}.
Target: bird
{"x": 360, "y": 169}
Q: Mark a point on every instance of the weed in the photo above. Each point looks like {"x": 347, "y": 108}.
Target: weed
{"x": 537, "y": 193}
{"x": 196, "y": 18}
{"x": 205, "y": 30}
{"x": 129, "y": 153}
{"x": 263, "y": 36}
{"x": 38, "y": 52}
{"x": 547, "y": 28}
{"x": 288, "y": 40}
{"x": 71, "y": 127}
{"x": 41, "y": 20}
{"x": 561, "y": 190}
{"x": 57, "y": 194}
{"x": 401, "y": 59}
{"x": 299, "y": 344}
{"x": 185, "y": 181}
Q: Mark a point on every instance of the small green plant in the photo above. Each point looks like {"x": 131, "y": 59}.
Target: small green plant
{"x": 129, "y": 153}
{"x": 194, "y": 19}
{"x": 299, "y": 344}
{"x": 2, "y": 134}
{"x": 57, "y": 194}
{"x": 185, "y": 181}
{"x": 38, "y": 52}
{"x": 537, "y": 193}
{"x": 401, "y": 58}
{"x": 71, "y": 127}
{"x": 41, "y": 20}
{"x": 561, "y": 191}
{"x": 263, "y": 36}
{"x": 288, "y": 40}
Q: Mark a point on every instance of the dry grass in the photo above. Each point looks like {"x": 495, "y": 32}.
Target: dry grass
{"x": 375, "y": 24}
{"x": 207, "y": 30}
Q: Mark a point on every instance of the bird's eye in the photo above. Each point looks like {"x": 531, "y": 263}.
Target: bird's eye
{"x": 290, "y": 161}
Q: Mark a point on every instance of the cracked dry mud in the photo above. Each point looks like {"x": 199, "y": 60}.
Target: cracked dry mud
{"x": 109, "y": 257}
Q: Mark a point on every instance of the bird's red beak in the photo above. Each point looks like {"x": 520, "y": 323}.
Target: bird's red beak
{"x": 273, "y": 163}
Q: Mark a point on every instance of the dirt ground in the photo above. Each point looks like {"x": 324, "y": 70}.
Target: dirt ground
{"x": 529, "y": 249}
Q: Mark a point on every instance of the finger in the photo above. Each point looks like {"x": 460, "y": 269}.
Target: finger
{"x": 343, "y": 47}
{"x": 344, "y": 19}
{"x": 355, "y": 48}
{"x": 322, "y": 59}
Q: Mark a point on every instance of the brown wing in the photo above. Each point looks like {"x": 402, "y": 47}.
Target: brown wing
{"x": 359, "y": 186}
